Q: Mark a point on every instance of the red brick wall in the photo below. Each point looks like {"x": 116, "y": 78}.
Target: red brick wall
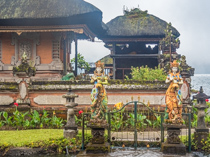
{"x": 44, "y": 50}
{"x": 8, "y": 50}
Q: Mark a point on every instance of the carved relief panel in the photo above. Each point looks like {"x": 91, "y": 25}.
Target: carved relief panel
{"x": 25, "y": 46}
{"x": 26, "y": 42}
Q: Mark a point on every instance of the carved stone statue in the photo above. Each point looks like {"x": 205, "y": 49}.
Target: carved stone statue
{"x": 98, "y": 95}
{"x": 173, "y": 95}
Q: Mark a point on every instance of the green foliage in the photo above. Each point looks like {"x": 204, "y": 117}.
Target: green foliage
{"x": 194, "y": 121}
{"x": 1, "y": 122}
{"x": 81, "y": 63}
{"x": 56, "y": 122}
{"x": 157, "y": 121}
{"x": 44, "y": 119}
{"x": 29, "y": 120}
{"x": 117, "y": 120}
{"x": 7, "y": 119}
{"x": 142, "y": 121}
{"x": 35, "y": 119}
{"x": 19, "y": 118}
{"x": 147, "y": 74}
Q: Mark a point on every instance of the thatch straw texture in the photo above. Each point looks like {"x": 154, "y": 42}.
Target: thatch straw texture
{"x": 32, "y": 9}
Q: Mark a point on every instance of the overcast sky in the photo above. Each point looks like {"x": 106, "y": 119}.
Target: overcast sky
{"x": 190, "y": 17}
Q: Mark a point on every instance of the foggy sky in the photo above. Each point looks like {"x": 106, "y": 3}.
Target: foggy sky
{"x": 189, "y": 17}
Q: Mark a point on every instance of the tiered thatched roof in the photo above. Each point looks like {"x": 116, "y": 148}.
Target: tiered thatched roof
{"x": 137, "y": 23}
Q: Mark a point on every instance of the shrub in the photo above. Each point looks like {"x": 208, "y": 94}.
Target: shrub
{"x": 147, "y": 74}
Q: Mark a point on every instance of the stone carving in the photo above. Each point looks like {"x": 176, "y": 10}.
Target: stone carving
{"x": 23, "y": 101}
{"x": 6, "y": 100}
{"x": 185, "y": 90}
{"x": 24, "y": 69}
{"x": 173, "y": 136}
{"x": 173, "y": 96}
{"x": 98, "y": 95}
{"x": 23, "y": 90}
{"x": 173, "y": 144}
{"x": 49, "y": 100}
{"x": 98, "y": 106}
{"x": 1, "y": 65}
{"x": 38, "y": 60}
{"x": 71, "y": 127}
{"x": 98, "y": 136}
{"x": 25, "y": 47}
{"x": 169, "y": 43}
{"x": 26, "y": 42}
{"x": 13, "y": 60}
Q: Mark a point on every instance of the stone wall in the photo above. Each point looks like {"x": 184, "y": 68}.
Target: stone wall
{"x": 48, "y": 94}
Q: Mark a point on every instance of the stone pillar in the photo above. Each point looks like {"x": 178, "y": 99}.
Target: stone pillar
{"x": 70, "y": 129}
{"x": 173, "y": 144}
{"x": 98, "y": 144}
{"x": 23, "y": 99}
{"x": 201, "y": 132}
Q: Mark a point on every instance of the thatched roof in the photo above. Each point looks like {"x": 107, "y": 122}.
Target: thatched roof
{"x": 106, "y": 60}
{"x": 138, "y": 23}
{"x": 33, "y": 9}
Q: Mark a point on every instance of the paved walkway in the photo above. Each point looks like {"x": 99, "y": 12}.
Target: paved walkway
{"x": 144, "y": 136}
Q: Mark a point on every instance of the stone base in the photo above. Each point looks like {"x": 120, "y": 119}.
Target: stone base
{"x": 200, "y": 138}
{"x": 84, "y": 154}
{"x": 97, "y": 148}
{"x": 69, "y": 133}
{"x": 175, "y": 149}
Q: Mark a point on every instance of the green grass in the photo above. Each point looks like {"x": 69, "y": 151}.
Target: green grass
{"x": 22, "y": 137}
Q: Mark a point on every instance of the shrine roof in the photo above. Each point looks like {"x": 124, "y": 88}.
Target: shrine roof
{"x": 33, "y": 9}
{"x": 106, "y": 60}
{"x": 137, "y": 23}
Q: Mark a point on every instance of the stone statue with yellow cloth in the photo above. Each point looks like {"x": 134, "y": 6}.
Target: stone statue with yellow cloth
{"x": 99, "y": 98}
{"x": 173, "y": 95}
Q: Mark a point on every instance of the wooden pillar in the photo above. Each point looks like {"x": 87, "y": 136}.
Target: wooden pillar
{"x": 76, "y": 52}
{"x": 114, "y": 64}
{"x": 64, "y": 57}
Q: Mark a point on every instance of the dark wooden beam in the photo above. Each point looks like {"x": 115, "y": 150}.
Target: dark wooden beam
{"x": 154, "y": 40}
{"x": 114, "y": 64}
{"x": 135, "y": 56}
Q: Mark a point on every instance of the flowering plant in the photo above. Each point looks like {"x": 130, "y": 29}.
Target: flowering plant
{"x": 80, "y": 112}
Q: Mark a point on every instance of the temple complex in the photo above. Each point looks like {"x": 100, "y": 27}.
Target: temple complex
{"x": 35, "y": 47}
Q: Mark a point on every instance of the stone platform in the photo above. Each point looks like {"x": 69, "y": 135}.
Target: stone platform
{"x": 179, "y": 149}
{"x": 95, "y": 150}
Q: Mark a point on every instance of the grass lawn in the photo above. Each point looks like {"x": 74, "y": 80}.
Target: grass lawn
{"x": 21, "y": 137}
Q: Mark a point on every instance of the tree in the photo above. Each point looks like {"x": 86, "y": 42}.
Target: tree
{"x": 81, "y": 63}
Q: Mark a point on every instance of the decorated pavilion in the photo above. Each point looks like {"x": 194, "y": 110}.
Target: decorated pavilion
{"x": 44, "y": 30}
{"x": 133, "y": 40}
